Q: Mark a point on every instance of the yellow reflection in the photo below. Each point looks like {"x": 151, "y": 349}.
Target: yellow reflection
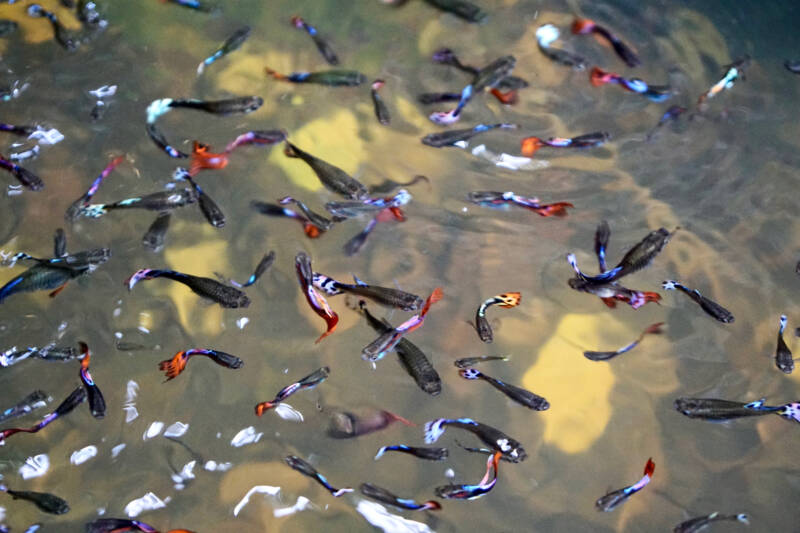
{"x": 578, "y": 389}
{"x": 36, "y": 30}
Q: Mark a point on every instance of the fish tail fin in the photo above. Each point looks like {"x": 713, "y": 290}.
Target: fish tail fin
{"x": 435, "y": 296}
{"x": 58, "y": 290}
{"x": 783, "y": 322}
{"x": 278, "y": 76}
{"x": 741, "y": 517}
{"x": 651, "y": 297}
{"x": 669, "y": 285}
{"x": 649, "y": 468}
{"x": 530, "y": 145}
{"x": 380, "y": 453}
{"x": 790, "y": 411}
{"x": 432, "y": 505}
{"x": 469, "y": 373}
{"x": 358, "y": 281}
{"x": 583, "y": 26}
{"x": 311, "y": 231}
{"x": 654, "y": 328}
{"x": 507, "y": 98}
{"x": 402, "y": 420}
{"x": 598, "y": 77}
{"x": 610, "y": 302}
{"x": 262, "y": 407}
{"x": 434, "y": 429}
{"x": 331, "y": 321}
{"x": 84, "y": 349}
{"x": 557, "y": 209}
{"x": 509, "y": 299}
{"x": 173, "y": 367}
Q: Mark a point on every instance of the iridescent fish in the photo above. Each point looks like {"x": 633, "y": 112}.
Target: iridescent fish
{"x": 719, "y": 410}
{"x": 68, "y": 405}
{"x": 429, "y": 454}
{"x": 224, "y": 295}
{"x": 64, "y": 37}
{"x": 471, "y": 492}
{"x": 211, "y": 211}
{"x": 585, "y": 26}
{"x": 505, "y": 300}
{"x": 232, "y": 43}
{"x": 74, "y": 211}
{"x": 545, "y": 36}
{"x": 319, "y": 221}
{"x": 462, "y": 9}
{"x": 783, "y": 355}
{"x": 610, "y": 501}
{"x": 322, "y": 45}
{"x": 274, "y": 210}
{"x": 23, "y": 131}
{"x": 306, "y": 469}
{"x": 605, "y": 356}
{"x": 388, "y": 214}
{"x": 173, "y": 367}
{"x": 305, "y": 276}
{"x": 695, "y": 525}
{"x": 449, "y": 138}
{"x": 46, "y": 353}
{"x": 332, "y": 178}
{"x": 792, "y": 66}
{"x": 261, "y": 267}
{"x": 46, "y": 502}
{"x": 611, "y": 293}
{"x": 654, "y": 93}
{"x": 54, "y": 274}
{"x": 197, "y": 5}
{"x": 354, "y": 208}
{"x": 259, "y": 137}
{"x": 203, "y": 159}
{"x": 97, "y": 403}
{"x": 494, "y": 438}
{"x": 24, "y": 176}
{"x": 383, "y": 295}
{"x": 158, "y": 201}
{"x": 589, "y": 140}
{"x": 447, "y": 57}
{"x": 519, "y": 395}
{"x": 502, "y": 200}
{"x": 32, "y": 401}
{"x": 734, "y": 73}
{"x": 332, "y": 78}
{"x": 347, "y": 425}
{"x": 711, "y": 307}
{"x": 381, "y": 111}
{"x": 384, "y": 496}
{"x": 308, "y": 382}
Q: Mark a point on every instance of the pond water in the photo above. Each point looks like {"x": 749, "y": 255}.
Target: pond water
{"x": 727, "y": 176}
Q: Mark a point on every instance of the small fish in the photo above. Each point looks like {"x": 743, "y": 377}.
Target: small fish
{"x": 654, "y": 93}
{"x": 411, "y": 357}
{"x": 308, "y": 382}
{"x": 430, "y": 454}
{"x": 387, "y": 341}
{"x": 435, "y": 98}
{"x": 519, "y": 395}
{"x": 259, "y": 137}
{"x": 589, "y": 140}
{"x": 30, "y": 402}
{"x": 585, "y": 26}
{"x": 307, "y": 470}
{"x": 719, "y": 410}
{"x": 161, "y": 141}
{"x": 792, "y": 66}
{"x": 353, "y": 208}
{"x": 203, "y": 159}
{"x": 274, "y": 210}
{"x": 68, "y": 405}
{"x": 672, "y": 114}
{"x": 467, "y": 362}
{"x": 694, "y": 525}
{"x": 63, "y": 36}
{"x": 322, "y": 45}
{"x": 173, "y": 367}
{"x": 545, "y": 36}
{"x": 346, "y": 425}
{"x": 449, "y": 138}
{"x": 447, "y": 57}
{"x": 97, "y": 403}
{"x": 123, "y": 525}
{"x": 318, "y": 303}
{"x": 611, "y": 293}
{"x": 24, "y": 176}
{"x": 42, "y": 277}
{"x": 59, "y": 243}
{"x": 316, "y": 219}
{"x": 46, "y": 353}
{"x": 211, "y": 211}
{"x": 358, "y": 240}
{"x": 381, "y": 111}
{"x": 610, "y": 501}
{"x": 156, "y": 234}
{"x": 711, "y": 308}
{"x": 197, "y": 5}
{"x": 332, "y": 78}
{"x": 734, "y": 72}
{"x": 601, "y": 237}
{"x": 505, "y": 300}
{"x": 78, "y": 262}
{"x": 231, "y": 43}
{"x": 471, "y": 492}
{"x": 461, "y": 8}
{"x": 158, "y": 201}
{"x": 22, "y": 131}
{"x": 783, "y": 355}
{"x": 605, "y": 356}
{"x": 502, "y": 200}
{"x": 228, "y": 106}
{"x": 384, "y": 496}
{"x": 261, "y": 267}
{"x": 224, "y": 295}
{"x": 332, "y": 178}
{"x": 382, "y": 295}
{"x": 494, "y": 438}
{"x": 48, "y": 503}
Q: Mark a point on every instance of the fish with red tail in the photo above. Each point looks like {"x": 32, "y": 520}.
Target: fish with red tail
{"x": 318, "y": 303}
{"x": 173, "y": 367}
{"x": 384, "y": 496}
{"x": 615, "y": 498}
{"x": 308, "y": 382}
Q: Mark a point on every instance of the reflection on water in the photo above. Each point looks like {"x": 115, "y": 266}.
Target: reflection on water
{"x": 190, "y": 453}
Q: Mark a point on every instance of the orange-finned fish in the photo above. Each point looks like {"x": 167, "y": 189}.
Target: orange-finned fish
{"x": 585, "y": 26}
{"x": 97, "y": 403}
{"x": 384, "y": 496}
{"x": 588, "y": 140}
{"x": 203, "y": 159}
{"x": 505, "y": 300}
{"x": 173, "y": 367}
{"x": 501, "y": 200}
{"x": 610, "y": 501}
{"x": 305, "y": 275}
{"x": 471, "y": 492}
{"x": 308, "y": 382}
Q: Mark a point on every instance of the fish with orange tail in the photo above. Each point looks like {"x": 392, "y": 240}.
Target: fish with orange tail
{"x": 384, "y": 496}
{"x": 202, "y": 159}
{"x": 308, "y": 382}
{"x": 505, "y": 300}
{"x": 305, "y": 275}
{"x": 585, "y": 26}
{"x": 530, "y": 145}
{"x": 97, "y": 403}
{"x": 613, "y": 499}
{"x": 501, "y": 200}
{"x": 654, "y": 93}
{"x": 173, "y": 367}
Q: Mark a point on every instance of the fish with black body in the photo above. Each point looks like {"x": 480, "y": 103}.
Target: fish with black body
{"x": 229, "y": 297}
{"x": 228, "y": 106}
{"x": 80, "y": 261}
{"x": 530, "y": 145}
{"x": 654, "y": 93}
{"x": 174, "y": 366}
{"x": 22, "y": 131}
{"x": 63, "y": 36}
{"x": 695, "y": 525}
{"x": 308, "y": 382}
{"x": 347, "y": 425}
{"x": 545, "y": 36}
{"x": 51, "y": 275}
{"x": 610, "y": 293}
{"x": 332, "y": 177}
{"x": 471, "y": 492}
{"x": 305, "y": 468}
{"x": 602, "y": 236}
{"x": 389, "y": 185}
{"x": 46, "y": 502}
{"x": 357, "y": 241}
{"x": 518, "y": 394}
{"x": 719, "y": 410}
{"x": 384, "y": 496}
{"x": 446, "y": 56}
{"x": 462, "y": 9}
{"x": 97, "y": 403}
{"x": 383, "y": 295}
{"x": 47, "y": 353}
{"x": 158, "y": 201}
{"x": 232, "y": 43}
{"x": 449, "y": 138}
{"x": 342, "y": 210}
{"x": 317, "y": 302}
{"x": 605, "y": 356}
{"x": 322, "y": 45}
{"x": 583, "y": 26}
{"x": 615, "y": 498}
{"x": 712, "y": 308}
{"x": 316, "y": 219}
{"x": 59, "y": 243}
{"x": 30, "y": 402}
{"x": 274, "y": 210}
{"x": 783, "y": 355}
{"x": 792, "y": 66}
{"x": 467, "y": 362}
{"x": 69, "y": 404}
{"x": 24, "y": 176}
{"x": 505, "y": 300}
{"x": 410, "y": 356}
{"x": 124, "y": 525}
{"x": 155, "y": 235}
{"x": 502, "y": 200}
{"x": 492, "y": 437}
{"x": 262, "y": 266}
{"x": 257, "y": 137}
{"x": 381, "y": 110}
{"x": 211, "y": 211}
{"x": 331, "y": 78}
{"x": 429, "y": 454}
{"x": 197, "y": 5}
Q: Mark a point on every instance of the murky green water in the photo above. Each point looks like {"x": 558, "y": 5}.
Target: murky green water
{"x": 728, "y": 178}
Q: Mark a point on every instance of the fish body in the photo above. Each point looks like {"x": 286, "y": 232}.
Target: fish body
{"x": 259, "y": 137}
{"x": 72, "y": 401}
{"x": 711, "y": 307}
{"x": 462, "y": 9}
{"x": 792, "y": 66}
{"x": 601, "y": 237}
{"x": 322, "y": 45}
{"x": 654, "y": 93}
{"x": 471, "y": 492}
{"x": 228, "y": 106}
{"x": 24, "y": 176}
{"x": 383, "y": 295}
{"x": 611, "y": 293}
{"x": 494, "y": 438}
{"x": 605, "y": 356}
{"x": 316, "y": 219}
{"x": 197, "y": 5}
{"x": 783, "y": 355}
{"x": 305, "y": 275}
{"x": 30, "y": 402}
{"x": 275, "y": 210}
{"x": 700, "y": 523}
{"x": 586, "y": 26}
{"x": 384, "y": 496}
{"x": 640, "y": 256}
{"x": 519, "y": 395}
{"x": 734, "y": 72}
{"x": 467, "y": 362}
{"x": 332, "y": 78}
{"x": 448, "y": 138}
{"x": 308, "y": 382}
{"x": 173, "y": 367}
{"x": 672, "y": 114}
{"x": 22, "y": 131}
{"x": 306, "y": 469}
{"x": 347, "y": 425}
{"x": 332, "y": 178}
{"x": 496, "y": 199}
{"x": 530, "y": 145}
{"x": 156, "y": 234}
{"x": 429, "y": 454}
{"x": 262, "y": 266}
{"x": 381, "y": 111}
{"x": 505, "y": 300}
{"x": 63, "y": 36}
{"x": 38, "y": 278}
{"x": 232, "y": 43}
{"x": 613, "y": 499}
{"x": 46, "y": 502}
{"x": 719, "y": 410}
{"x": 97, "y": 403}
{"x": 229, "y": 297}
{"x": 354, "y": 208}
{"x": 159, "y": 201}
{"x": 545, "y": 35}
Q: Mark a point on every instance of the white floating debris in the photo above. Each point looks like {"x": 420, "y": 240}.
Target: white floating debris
{"x": 2, "y": 513}
{"x": 246, "y": 436}
{"x": 116, "y": 450}
{"x": 35, "y": 466}
{"x": 176, "y": 430}
{"x": 258, "y": 489}
{"x": 104, "y": 91}
{"x": 186, "y": 473}
{"x": 287, "y": 412}
{"x": 51, "y": 136}
{"x": 79, "y": 457}
{"x": 213, "y": 466}
{"x": 242, "y": 322}
{"x": 153, "y": 431}
{"x": 509, "y": 161}
{"x": 302, "y": 504}
{"x": 377, "y": 515}
{"x": 131, "y": 413}
{"x": 148, "y": 502}
{"x": 449, "y": 473}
